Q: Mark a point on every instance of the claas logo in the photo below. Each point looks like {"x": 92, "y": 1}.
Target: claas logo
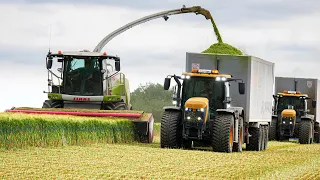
{"x": 81, "y": 99}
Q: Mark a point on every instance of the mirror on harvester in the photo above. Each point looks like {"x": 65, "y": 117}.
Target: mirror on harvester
{"x": 166, "y": 83}
{"x": 314, "y": 103}
{"x": 242, "y": 88}
{"x": 49, "y": 63}
{"x": 117, "y": 64}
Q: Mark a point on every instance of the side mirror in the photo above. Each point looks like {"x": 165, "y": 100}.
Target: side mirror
{"x": 49, "y": 62}
{"x": 59, "y": 70}
{"x": 314, "y": 103}
{"x": 117, "y": 65}
{"x": 103, "y": 71}
{"x": 242, "y": 88}
{"x": 167, "y": 83}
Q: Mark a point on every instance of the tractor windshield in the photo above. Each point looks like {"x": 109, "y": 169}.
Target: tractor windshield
{"x": 82, "y": 76}
{"x": 205, "y": 87}
{"x": 289, "y": 102}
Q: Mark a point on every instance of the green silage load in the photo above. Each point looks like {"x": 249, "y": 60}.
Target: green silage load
{"x": 223, "y": 48}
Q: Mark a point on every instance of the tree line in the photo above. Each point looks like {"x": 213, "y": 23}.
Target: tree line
{"x": 151, "y": 98}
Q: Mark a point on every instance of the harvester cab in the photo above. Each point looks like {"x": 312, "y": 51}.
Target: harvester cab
{"x": 86, "y": 82}
{"x": 291, "y": 110}
{"x": 202, "y": 112}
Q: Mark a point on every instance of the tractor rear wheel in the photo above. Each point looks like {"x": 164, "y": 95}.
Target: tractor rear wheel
{"x": 317, "y": 132}
{"x": 255, "y": 141}
{"x": 273, "y": 129}
{"x": 51, "y": 104}
{"x": 222, "y": 133}
{"x": 170, "y": 130}
{"x": 237, "y": 147}
{"x": 305, "y": 132}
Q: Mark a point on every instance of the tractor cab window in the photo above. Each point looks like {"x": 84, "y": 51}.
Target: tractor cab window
{"x": 205, "y": 87}
{"x": 83, "y": 76}
{"x": 295, "y": 103}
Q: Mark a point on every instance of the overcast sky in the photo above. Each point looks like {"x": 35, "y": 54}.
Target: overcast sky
{"x": 285, "y": 32}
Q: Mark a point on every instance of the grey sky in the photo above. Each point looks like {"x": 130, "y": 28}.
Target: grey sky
{"x": 284, "y": 32}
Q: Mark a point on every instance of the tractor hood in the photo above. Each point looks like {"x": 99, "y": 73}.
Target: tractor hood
{"x": 288, "y": 113}
{"x": 197, "y": 103}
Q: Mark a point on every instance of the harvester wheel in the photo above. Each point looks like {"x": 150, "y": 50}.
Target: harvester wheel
{"x": 273, "y": 129}
{"x": 317, "y": 133}
{"x": 222, "y": 133}
{"x": 237, "y": 147}
{"x": 120, "y": 106}
{"x": 51, "y": 104}
{"x": 305, "y": 132}
{"x": 255, "y": 139}
{"x": 170, "y": 131}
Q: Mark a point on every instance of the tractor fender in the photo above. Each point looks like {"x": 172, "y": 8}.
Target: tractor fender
{"x": 229, "y": 111}
{"x": 172, "y": 108}
{"x": 308, "y": 117}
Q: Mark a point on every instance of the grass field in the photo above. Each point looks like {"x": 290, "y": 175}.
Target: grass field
{"x": 282, "y": 160}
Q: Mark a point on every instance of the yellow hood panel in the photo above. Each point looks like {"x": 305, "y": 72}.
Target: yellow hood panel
{"x": 288, "y": 113}
{"x": 197, "y": 103}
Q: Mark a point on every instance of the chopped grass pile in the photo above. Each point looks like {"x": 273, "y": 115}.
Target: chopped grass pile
{"x": 19, "y": 130}
{"x": 223, "y": 48}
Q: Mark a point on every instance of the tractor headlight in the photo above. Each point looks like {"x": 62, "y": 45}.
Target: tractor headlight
{"x": 187, "y": 77}
{"x": 188, "y": 117}
{"x": 290, "y": 122}
{"x": 194, "y": 116}
{"x": 174, "y": 102}
{"x": 223, "y": 79}
{"x": 218, "y": 78}
{"x": 283, "y": 122}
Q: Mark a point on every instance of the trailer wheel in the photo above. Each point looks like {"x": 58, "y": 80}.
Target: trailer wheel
{"x": 170, "y": 131}
{"x": 266, "y": 134}
{"x": 317, "y": 132}
{"x": 222, "y": 133}
{"x": 255, "y": 139}
{"x": 273, "y": 129}
{"x": 237, "y": 147}
{"x": 305, "y": 132}
{"x": 51, "y": 104}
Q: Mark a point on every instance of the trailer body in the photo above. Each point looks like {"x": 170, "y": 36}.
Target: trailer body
{"x": 257, "y": 74}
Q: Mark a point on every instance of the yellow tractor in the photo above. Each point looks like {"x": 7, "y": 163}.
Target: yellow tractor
{"x": 202, "y": 113}
{"x": 291, "y": 118}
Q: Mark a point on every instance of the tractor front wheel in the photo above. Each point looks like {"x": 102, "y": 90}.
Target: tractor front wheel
{"x": 51, "y": 104}
{"x": 273, "y": 129}
{"x": 170, "y": 130}
{"x": 222, "y": 133}
{"x": 305, "y": 132}
{"x": 317, "y": 132}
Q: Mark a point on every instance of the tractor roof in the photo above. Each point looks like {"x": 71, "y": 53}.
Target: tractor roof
{"x": 292, "y": 94}
{"x": 206, "y": 73}
{"x": 79, "y": 53}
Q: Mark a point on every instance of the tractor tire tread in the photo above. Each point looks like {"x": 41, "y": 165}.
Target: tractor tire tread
{"x": 170, "y": 136}
{"x": 221, "y": 132}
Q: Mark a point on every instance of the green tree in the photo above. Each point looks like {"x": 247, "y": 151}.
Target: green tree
{"x": 151, "y": 98}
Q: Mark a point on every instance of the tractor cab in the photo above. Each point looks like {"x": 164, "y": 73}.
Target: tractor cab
{"x": 200, "y": 95}
{"x": 82, "y": 73}
{"x": 290, "y": 107}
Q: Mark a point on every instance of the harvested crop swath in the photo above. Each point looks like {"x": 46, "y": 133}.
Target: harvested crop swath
{"x": 19, "y": 130}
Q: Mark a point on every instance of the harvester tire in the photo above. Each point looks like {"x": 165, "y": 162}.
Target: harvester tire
{"x": 51, "y": 104}
{"x": 222, "y": 133}
{"x": 170, "y": 130}
{"x": 305, "y": 132}
{"x": 317, "y": 133}
{"x": 273, "y": 130}
{"x": 237, "y": 147}
{"x": 255, "y": 139}
{"x": 120, "y": 106}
